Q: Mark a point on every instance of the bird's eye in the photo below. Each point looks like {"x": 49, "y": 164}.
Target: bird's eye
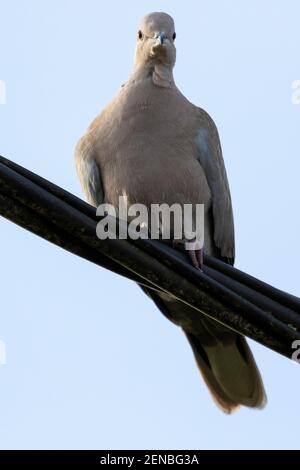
{"x": 140, "y": 35}
{"x": 174, "y": 36}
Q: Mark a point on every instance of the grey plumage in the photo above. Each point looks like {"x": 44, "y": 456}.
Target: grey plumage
{"x": 209, "y": 154}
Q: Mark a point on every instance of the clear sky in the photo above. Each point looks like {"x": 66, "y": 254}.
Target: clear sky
{"x": 91, "y": 363}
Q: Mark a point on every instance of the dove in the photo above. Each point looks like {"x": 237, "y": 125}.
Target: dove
{"x": 154, "y": 146}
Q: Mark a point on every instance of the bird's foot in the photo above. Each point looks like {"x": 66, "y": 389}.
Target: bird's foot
{"x": 195, "y": 254}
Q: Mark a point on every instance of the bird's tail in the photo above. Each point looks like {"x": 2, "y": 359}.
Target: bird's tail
{"x": 223, "y": 356}
{"x": 230, "y": 372}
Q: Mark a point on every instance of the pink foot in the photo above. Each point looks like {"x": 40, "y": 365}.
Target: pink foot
{"x": 195, "y": 254}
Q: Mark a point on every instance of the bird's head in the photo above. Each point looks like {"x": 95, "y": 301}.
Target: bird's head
{"x": 155, "y": 41}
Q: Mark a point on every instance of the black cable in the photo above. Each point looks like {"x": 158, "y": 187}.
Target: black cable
{"x": 219, "y": 293}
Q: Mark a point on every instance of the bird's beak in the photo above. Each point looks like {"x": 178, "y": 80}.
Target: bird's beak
{"x": 158, "y": 47}
{"x": 161, "y": 37}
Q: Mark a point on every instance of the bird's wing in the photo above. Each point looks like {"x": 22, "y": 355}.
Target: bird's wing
{"x": 89, "y": 173}
{"x": 209, "y": 155}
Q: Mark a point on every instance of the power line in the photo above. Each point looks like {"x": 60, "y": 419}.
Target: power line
{"x": 222, "y": 292}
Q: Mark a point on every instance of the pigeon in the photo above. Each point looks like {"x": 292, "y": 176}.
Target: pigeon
{"x": 153, "y": 146}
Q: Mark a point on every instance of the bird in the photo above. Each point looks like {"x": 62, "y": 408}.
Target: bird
{"x": 153, "y": 145}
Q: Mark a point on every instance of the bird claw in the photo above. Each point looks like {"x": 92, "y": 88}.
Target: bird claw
{"x": 195, "y": 250}
{"x": 196, "y": 257}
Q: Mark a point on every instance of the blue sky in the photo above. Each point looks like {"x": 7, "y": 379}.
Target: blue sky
{"x": 91, "y": 363}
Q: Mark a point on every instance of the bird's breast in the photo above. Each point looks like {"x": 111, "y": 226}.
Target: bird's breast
{"x": 149, "y": 152}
